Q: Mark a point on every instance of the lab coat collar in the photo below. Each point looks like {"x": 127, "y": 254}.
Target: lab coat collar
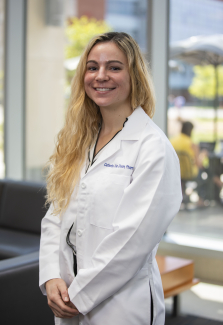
{"x": 135, "y": 125}
{"x": 131, "y": 131}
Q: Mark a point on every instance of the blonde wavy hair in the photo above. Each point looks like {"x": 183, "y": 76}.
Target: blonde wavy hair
{"x": 83, "y": 118}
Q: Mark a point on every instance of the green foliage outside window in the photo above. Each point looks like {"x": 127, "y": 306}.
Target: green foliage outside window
{"x": 79, "y": 31}
{"x": 204, "y": 82}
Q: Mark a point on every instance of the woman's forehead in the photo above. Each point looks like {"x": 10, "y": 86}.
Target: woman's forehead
{"x": 106, "y": 51}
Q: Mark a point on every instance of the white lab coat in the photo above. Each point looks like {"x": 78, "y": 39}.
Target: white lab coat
{"x": 124, "y": 204}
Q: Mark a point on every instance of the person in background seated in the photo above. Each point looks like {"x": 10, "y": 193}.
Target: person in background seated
{"x": 183, "y": 143}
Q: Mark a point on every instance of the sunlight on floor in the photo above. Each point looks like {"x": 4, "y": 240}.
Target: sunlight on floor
{"x": 203, "y": 300}
{"x": 208, "y": 292}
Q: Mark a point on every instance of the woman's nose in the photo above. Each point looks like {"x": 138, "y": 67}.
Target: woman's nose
{"x": 102, "y": 74}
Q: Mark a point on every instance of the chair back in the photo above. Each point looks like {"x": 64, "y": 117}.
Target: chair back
{"x": 186, "y": 165}
{"x": 209, "y": 146}
{"x": 22, "y": 205}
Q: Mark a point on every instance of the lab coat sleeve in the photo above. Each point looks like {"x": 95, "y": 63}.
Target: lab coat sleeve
{"x": 147, "y": 207}
{"x": 49, "y": 249}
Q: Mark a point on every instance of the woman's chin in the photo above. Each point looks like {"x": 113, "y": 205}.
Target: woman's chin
{"x": 104, "y": 104}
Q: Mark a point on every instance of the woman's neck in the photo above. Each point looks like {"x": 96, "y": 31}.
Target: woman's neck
{"x": 114, "y": 118}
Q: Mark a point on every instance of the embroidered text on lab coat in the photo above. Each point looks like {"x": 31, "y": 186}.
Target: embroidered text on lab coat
{"x": 118, "y": 166}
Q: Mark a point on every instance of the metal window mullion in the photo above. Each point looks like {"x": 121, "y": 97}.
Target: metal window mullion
{"x": 158, "y": 54}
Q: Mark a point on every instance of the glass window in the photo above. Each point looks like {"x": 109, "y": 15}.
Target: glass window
{"x": 129, "y": 16}
{"x": 195, "y": 115}
{"x": 122, "y": 7}
{"x": 2, "y": 18}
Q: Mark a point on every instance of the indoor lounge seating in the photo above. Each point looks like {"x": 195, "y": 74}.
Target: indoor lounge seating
{"x": 21, "y": 211}
{"x": 21, "y": 300}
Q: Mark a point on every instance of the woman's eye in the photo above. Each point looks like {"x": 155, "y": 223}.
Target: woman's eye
{"x": 114, "y": 68}
{"x": 91, "y": 68}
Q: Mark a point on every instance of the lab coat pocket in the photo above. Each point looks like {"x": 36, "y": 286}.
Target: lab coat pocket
{"x": 107, "y": 194}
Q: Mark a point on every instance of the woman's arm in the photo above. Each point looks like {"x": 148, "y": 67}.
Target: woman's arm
{"x": 49, "y": 249}
{"x": 147, "y": 207}
{"x": 49, "y": 278}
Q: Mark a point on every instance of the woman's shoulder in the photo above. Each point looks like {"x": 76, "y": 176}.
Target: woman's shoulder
{"x": 154, "y": 143}
{"x": 153, "y": 133}
{"x": 152, "y": 140}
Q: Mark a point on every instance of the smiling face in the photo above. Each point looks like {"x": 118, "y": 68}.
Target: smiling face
{"x": 107, "y": 79}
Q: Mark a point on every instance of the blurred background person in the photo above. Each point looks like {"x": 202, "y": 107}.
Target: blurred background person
{"x": 193, "y": 167}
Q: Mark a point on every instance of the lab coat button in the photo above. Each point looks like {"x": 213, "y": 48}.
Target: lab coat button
{"x": 83, "y": 185}
{"x": 79, "y": 232}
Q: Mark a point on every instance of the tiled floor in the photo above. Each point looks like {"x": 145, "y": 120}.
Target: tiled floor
{"x": 203, "y": 300}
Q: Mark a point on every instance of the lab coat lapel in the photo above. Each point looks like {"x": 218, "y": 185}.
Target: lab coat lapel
{"x": 131, "y": 131}
{"x": 114, "y": 146}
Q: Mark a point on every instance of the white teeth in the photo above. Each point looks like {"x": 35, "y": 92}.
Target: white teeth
{"x": 103, "y": 89}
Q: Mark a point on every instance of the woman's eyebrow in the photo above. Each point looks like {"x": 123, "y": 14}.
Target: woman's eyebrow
{"x": 114, "y": 61}
{"x": 107, "y": 62}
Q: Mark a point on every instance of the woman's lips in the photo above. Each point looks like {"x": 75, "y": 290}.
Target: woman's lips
{"x": 103, "y": 89}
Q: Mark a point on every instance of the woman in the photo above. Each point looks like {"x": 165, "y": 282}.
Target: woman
{"x": 114, "y": 187}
